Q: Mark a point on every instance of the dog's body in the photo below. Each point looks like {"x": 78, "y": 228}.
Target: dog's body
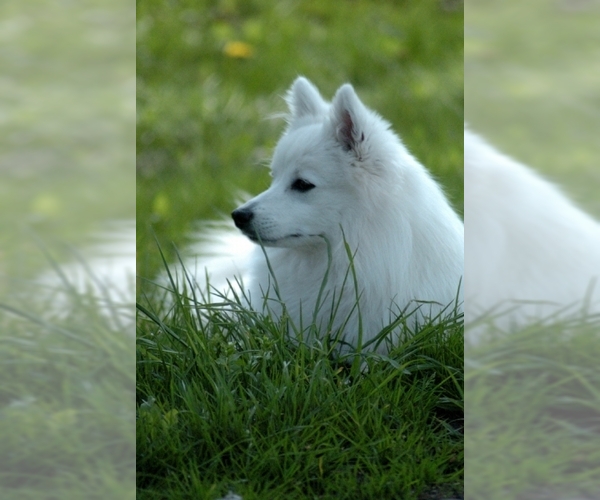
{"x": 530, "y": 252}
{"x": 348, "y": 204}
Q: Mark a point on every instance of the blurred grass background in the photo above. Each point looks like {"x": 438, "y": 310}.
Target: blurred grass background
{"x": 531, "y": 86}
{"x": 210, "y": 73}
{"x": 67, "y": 112}
{"x": 66, "y": 129}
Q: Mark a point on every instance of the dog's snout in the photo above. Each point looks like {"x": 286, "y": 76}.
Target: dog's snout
{"x": 242, "y": 217}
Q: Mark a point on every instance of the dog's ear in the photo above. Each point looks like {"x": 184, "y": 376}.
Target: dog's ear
{"x": 304, "y": 99}
{"x": 348, "y": 118}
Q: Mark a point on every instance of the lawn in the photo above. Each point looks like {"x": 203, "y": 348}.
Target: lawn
{"x": 240, "y": 406}
{"x": 532, "y": 399}
{"x": 532, "y": 419}
{"x": 228, "y": 402}
{"x": 530, "y": 88}
{"x": 66, "y": 168}
{"x": 68, "y": 425}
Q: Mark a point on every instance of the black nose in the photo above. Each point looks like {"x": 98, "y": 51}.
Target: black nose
{"x": 242, "y": 217}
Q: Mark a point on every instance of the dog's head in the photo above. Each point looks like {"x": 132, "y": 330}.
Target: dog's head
{"x": 318, "y": 169}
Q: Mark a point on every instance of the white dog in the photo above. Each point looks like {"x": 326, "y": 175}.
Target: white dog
{"x": 530, "y": 252}
{"x": 354, "y": 229}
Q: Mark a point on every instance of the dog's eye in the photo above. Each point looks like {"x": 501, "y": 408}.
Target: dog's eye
{"x": 302, "y": 185}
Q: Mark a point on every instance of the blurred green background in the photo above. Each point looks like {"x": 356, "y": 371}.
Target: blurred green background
{"x": 66, "y": 125}
{"x": 67, "y": 130}
{"x": 212, "y": 73}
{"x": 532, "y": 83}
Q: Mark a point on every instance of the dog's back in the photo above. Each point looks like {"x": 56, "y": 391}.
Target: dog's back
{"x": 530, "y": 252}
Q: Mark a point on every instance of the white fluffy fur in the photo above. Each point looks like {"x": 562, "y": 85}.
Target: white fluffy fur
{"x": 369, "y": 191}
{"x": 525, "y": 241}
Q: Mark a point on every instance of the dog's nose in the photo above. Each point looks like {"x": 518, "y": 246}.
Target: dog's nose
{"x": 242, "y": 217}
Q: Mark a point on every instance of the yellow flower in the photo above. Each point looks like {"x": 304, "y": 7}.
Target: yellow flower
{"x": 161, "y": 205}
{"x": 46, "y": 204}
{"x": 238, "y": 50}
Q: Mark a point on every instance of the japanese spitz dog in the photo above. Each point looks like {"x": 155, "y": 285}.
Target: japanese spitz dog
{"x": 353, "y": 231}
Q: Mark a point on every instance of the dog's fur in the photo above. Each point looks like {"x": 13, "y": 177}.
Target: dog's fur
{"x": 530, "y": 252}
{"x": 344, "y": 185}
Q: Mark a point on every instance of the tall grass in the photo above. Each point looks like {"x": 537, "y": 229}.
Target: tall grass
{"x": 533, "y": 412}
{"x": 232, "y": 399}
{"x": 65, "y": 399}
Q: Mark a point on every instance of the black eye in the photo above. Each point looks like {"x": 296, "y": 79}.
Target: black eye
{"x": 302, "y": 185}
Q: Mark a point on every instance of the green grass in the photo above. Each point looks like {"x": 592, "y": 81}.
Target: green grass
{"x": 236, "y": 404}
{"x": 227, "y": 400}
{"x": 67, "y": 136}
{"x": 532, "y": 420}
{"x": 530, "y": 89}
{"x": 66, "y": 150}
{"x": 65, "y": 403}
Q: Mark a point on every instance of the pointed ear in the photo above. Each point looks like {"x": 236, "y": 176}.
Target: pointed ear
{"x": 304, "y": 99}
{"x": 348, "y": 118}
